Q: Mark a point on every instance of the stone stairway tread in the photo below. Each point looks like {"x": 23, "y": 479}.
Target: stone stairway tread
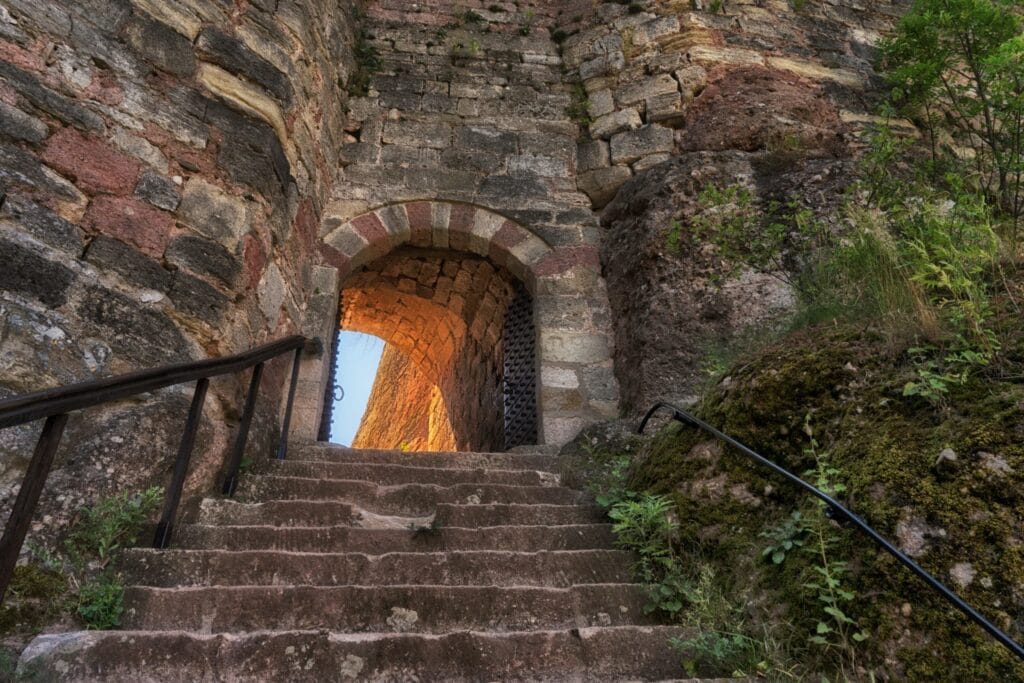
{"x": 425, "y": 609}
{"x": 459, "y": 460}
{"x": 619, "y": 653}
{"x": 405, "y": 499}
{"x": 375, "y": 541}
{"x": 562, "y": 568}
{"x": 299, "y": 513}
{"x": 387, "y": 474}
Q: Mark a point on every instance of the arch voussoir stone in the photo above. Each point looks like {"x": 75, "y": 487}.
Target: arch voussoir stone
{"x": 576, "y": 385}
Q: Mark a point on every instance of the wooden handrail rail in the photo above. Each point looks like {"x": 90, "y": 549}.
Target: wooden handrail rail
{"x": 54, "y": 404}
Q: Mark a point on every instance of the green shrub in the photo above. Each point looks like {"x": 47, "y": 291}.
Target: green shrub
{"x": 101, "y": 602}
{"x": 110, "y": 525}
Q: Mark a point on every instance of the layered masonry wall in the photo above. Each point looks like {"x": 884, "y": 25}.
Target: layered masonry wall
{"x": 163, "y": 167}
{"x": 463, "y": 142}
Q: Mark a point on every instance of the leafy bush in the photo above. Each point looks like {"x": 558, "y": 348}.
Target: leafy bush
{"x": 101, "y": 602}
{"x": 111, "y": 524}
{"x": 957, "y": 66}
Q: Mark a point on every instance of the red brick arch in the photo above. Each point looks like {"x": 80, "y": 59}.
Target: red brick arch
{"x": 460, "y": 227}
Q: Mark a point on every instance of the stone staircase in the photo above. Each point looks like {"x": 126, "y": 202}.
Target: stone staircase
{"x": 344, "y": 565}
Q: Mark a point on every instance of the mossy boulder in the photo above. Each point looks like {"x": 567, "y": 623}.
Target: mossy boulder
{"x": 945, "y": 483}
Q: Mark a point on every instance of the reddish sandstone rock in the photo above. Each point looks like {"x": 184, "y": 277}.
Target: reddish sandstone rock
{"x": 755, "y": 108}
{"x": 130, "y": 221}
{"x": 95, "y": 165}
{"x": 255, "y": 258}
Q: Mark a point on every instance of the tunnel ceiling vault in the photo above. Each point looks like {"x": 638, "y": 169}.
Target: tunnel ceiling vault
{"x": 446, "y": 312}
{"x": 430, "y": 305}
{"x": 576, "y": 384}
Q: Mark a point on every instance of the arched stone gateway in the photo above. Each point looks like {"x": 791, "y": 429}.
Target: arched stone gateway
{"x": 437, "y": 279}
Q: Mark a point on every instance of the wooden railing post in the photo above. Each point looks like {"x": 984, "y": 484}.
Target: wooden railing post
{"x": 242, "y": 437}
{"x": 28, "y": 497}
{"x": 173, "y": 496}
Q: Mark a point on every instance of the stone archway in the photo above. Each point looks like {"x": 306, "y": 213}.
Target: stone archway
{"x": 576, "y": 384}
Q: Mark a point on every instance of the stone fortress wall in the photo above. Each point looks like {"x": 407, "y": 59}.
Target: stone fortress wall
{"x": 189, "y": 179}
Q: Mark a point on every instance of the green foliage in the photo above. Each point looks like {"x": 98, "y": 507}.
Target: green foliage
{"x": 367, "y": 63}
{"x": 101, "y": 602}
{"x": 466, "y": 49}
{"x": 526, "y": 24}
{"x": 675, "y": 237}
{"x": 749, "y": 235}
{"x": 579, "y": 107}
{"x": 786, "y": 538}
{"x": 110, "y": 525}
{"x": 34, "y": 597}
{"x": 957, "y": 66}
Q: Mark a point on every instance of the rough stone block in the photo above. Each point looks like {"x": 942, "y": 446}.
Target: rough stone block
{"x": 197, "y": 298}
{"x": 107, "y": 253}
{"x": 692, "y": 80}
{"x": 231, "y": 53}
{"x": 413, "y": 133}
{"x": 629, "y": 146}
{"x": 205, "y": 257}
{"x": 213, "y": 213}
{"x": 271, "y": 294}
{"x": 161, "y": 45}
{"x": 94, "y": 164}
{"x": 650, "y": 161}
{"x": 602, "y": 184}
{"x": 27, "y": 272}
{"x": 43, "y": 224}
{"x": 63, "y": 108}
{"x": 634, "y": 93}
{"x": 600, "y": 102}
{"x": 651, "y": 30}
{"x": 603, "y": 65}
{"x": 159, "y": 191}
{"x": 140, "y": 148}
{"x": 486, "y": 140}
{"x": 16, "y": 124}
{"x": 592, "y": 155}
{"x": 136, "y": 332}
{"x": 616, "y": 122}
{"x": 130, "y": 221}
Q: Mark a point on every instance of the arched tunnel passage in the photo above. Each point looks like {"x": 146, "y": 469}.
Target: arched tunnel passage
{"x": 459, "y": 369}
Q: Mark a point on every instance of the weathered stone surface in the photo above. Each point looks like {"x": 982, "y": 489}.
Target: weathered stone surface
{"x": 652, "y": 139}
{"x": 18, "y": 125}
{"x": 234, "y": 55}
{"x": 107, "y": 253}
{"x": 616, "y": 122}
{"x": 42, "y": 224}
{"x": 634, "y": 93}
{"x": 205, "y": 257}
{"x": 140, "y": 148}
{"x": 162, "y": 46}
{"x": 30, "y": 274}
{"x": 159, "y": 191}
{"x": 601, "y": 184}
{"x": 130, "y": 221}
{"x": 197, "y": 298}
{"x": 20, "y": 169}
{"x": 213, "y": 213}
{"x": 271, "y": 294}
{"x": 800, "y": 116}
{"x": 136, "y": 332}
{"x": 94, "y": 165}
{"x": 591, "y": 155}
{"x": 48, "y": 100}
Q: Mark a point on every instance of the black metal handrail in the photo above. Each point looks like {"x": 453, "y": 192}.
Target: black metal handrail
{"x": 841, "y": 513}
{"x": 54, "y": 404}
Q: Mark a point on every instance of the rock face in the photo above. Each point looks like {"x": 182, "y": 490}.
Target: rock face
{"x": 405, "y": 410}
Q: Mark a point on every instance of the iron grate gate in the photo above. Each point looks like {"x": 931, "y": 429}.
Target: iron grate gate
{"x": 520, "y": 372}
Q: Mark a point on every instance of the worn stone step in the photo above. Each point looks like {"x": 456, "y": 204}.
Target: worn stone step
{"x": 167, "y": 568}
{"x": 298, "y": 513}
{"x": 424, "y": 609}
{"x": 402, "y": 499}
{"x": 378, "y": 541}
{"x": 388, "y": 474}
{"x": 633, "y": 653}
{"x": 510, "y": 461}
